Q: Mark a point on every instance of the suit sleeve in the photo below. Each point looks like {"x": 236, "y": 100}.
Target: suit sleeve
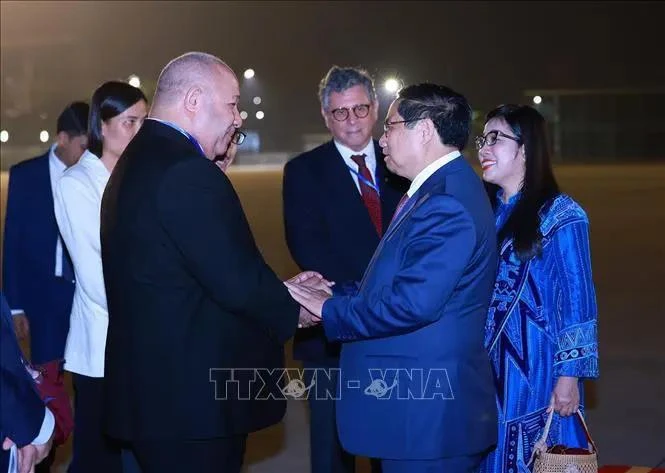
{"x": 436, "y": 250}
{"x": 11, "y": 247}
{"x": 306, "y": 235}
{"x": 21, "y": 409}
{"x": 202, "y": 214}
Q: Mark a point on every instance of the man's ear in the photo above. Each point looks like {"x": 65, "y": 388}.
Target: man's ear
{"x": 193, "y": 98}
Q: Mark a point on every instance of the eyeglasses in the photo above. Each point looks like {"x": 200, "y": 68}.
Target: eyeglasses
{"x": 490, "y": 138}
{"x": 342, "y": 113}
{"x": 238, "y": 137}
{"x": 387, "y": 124}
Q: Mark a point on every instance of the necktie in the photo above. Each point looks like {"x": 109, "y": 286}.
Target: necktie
{"x": 369, "y": 194}
{"x": 400, "y": 206}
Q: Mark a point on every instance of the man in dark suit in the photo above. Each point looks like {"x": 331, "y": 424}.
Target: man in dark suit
{"x": 194, "y": 310}
{"x": 38, "y": 278}
{"x": 417, "y": 388}
{"x": 26, "y": 425}
{"x": 338, "y": 201}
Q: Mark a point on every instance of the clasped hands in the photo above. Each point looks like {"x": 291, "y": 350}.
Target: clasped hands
{"x": 311, "y": 290}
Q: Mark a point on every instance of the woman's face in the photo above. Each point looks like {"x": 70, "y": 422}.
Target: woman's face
{"x": 119, "y": 130}
{"x": 501, "y": 157}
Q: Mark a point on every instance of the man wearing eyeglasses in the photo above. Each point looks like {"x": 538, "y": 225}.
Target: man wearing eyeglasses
{"x": 192, "y": 303}
{"x": 417, "y": 389}
{"x": 338, "y": 201}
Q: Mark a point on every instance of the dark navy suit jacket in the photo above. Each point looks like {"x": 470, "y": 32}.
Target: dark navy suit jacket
{"x": 21, "y": 409}
{"x": 415, "y": 380}
{"x": 29, "y": 258}
{"x": 328, "y": 228}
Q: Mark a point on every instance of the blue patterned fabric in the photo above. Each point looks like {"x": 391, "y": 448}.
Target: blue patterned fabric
{"x": 541, "y": 324}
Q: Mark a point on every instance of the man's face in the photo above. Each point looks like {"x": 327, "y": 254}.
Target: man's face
{"x": 70, "y": 148}
{"x": 353, "y": 132}
{"x": 218, "y": 117}
{"x": 399, "y": 144}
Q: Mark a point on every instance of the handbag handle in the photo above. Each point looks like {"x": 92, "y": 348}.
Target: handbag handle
{"x": 546, "y": 431}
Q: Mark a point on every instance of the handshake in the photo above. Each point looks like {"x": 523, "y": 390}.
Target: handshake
{"x": 310, "y": 290}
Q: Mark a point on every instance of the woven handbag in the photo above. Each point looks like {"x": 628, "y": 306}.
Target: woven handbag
{"x": 562, "y": 459}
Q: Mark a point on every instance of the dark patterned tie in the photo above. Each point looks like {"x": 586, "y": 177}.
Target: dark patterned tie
{"x": 369, "y": 194}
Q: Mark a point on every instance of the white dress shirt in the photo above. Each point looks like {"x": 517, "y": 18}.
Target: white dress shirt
{"x": 429, "y": 170}
{"x": 77, "y": 209}
{"x": 370, "y": 160}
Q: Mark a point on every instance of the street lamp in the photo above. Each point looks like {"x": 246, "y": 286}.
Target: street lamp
{"x": 391, "y": 85}
{"x": 134, "y": 81}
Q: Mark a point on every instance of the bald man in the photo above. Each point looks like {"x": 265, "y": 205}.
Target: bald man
{"x": 197, "y": 319}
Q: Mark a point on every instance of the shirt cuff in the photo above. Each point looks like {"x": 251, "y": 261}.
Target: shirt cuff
{"x": 17, "y": 311}
{"x": 48, "y": 425}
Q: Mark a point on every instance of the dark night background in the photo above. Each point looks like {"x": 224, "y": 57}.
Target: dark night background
{"x": 490, "y": 51}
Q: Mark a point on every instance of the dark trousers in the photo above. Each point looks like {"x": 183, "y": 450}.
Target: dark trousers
{"x": 223, "y": 455}
{"x": 326, "y": 452}
{"x": 466, "y": 464}
{"x": 93, "y": 450}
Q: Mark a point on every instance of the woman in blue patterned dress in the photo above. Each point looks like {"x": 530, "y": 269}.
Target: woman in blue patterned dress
{"x": 541, "y": 330}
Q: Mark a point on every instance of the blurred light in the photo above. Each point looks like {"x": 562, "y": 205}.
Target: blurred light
{"x": 260, "y": 115}
{"x": 43, "y": 136}
{"x": 249, "y": 73}
{"x": 391, "y": 85}
{"x": 4, "y": 136}
{"x": 134, "y": 81}
{"x": 243, "y": 115}
{"x": 257, "y": 100}
{"x": 43, "y": 116}
{"x": 537, "y": 99}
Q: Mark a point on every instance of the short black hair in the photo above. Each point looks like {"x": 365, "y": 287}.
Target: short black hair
{"x": 449, "y": 111}
{"x": 74, "y": 119}
{"x": 109, "y": 100}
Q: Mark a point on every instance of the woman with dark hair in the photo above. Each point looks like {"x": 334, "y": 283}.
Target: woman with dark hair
{"x": 117, "y": 111}
{"x": 541, "y": 330}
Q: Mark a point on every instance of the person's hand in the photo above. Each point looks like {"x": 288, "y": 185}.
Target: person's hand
{"x": 223, "y": 162}
{"x": 30, "y": 455}
{"x": 313, "y": 280}
{"x": 566, "y": 396}
{"x": 21, "y": 325}
{"x": 306, "y": 319}
{"x": 310, "y": 298}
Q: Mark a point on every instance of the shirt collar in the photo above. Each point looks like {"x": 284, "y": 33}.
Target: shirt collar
{"x": 347, "y": 152}
{"x": 426, "y": 173}
{"x": 54, "y": 162}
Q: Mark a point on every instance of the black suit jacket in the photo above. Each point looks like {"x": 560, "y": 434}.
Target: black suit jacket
{"x": 328, "y": 228}
{"x": 190, "y": 298}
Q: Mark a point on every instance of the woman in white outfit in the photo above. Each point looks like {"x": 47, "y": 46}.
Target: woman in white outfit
{"x": 117, "y": 112}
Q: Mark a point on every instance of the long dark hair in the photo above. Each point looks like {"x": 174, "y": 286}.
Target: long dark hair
{"x": 109, "y": 100}
{"x": 539, "y": 184}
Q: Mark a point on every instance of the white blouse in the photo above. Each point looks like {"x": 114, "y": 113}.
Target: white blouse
{"x": 78, "y": 200}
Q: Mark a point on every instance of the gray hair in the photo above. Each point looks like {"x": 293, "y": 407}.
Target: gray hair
{"x": 338, "y": 79}
{"x": 183, "y": 72}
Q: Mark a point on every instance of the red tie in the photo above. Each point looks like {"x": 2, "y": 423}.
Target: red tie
{"x": 369, "y": 194}
{"x": 400, "y": 206}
